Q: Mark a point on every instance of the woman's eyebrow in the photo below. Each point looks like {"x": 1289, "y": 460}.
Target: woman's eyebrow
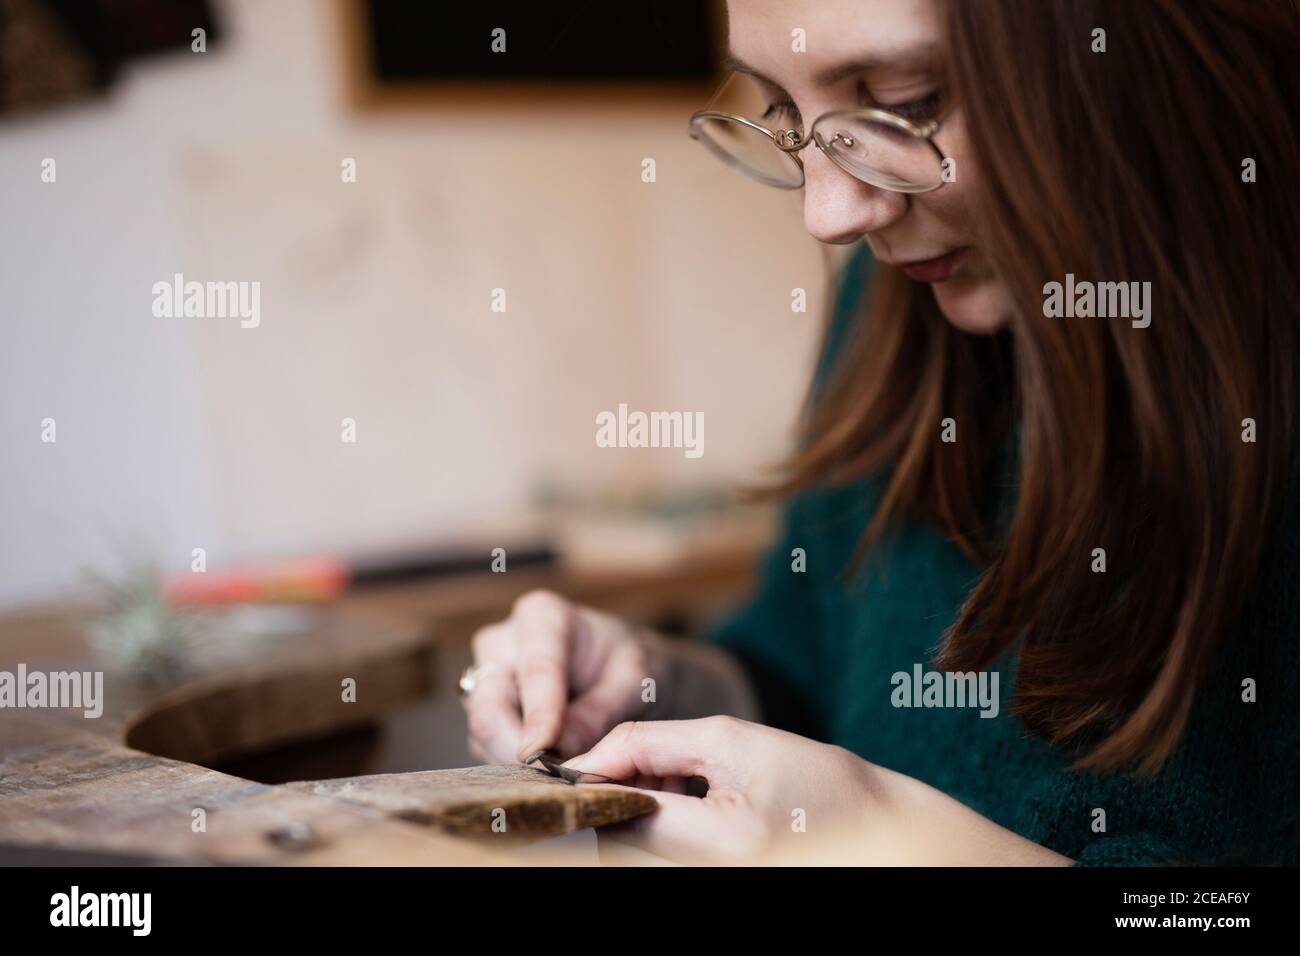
{"x": 914, "y": 58}
{"x": 737, "y": 65}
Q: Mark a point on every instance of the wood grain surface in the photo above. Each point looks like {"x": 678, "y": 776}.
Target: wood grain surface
{"x": 131, "y": 781}
{"x": 464, "y": 801}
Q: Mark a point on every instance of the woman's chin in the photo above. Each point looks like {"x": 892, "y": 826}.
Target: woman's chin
{"x": 979, "y": 306}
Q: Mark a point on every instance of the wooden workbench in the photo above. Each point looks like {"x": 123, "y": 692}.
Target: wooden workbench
{"x": 131, "y": 781}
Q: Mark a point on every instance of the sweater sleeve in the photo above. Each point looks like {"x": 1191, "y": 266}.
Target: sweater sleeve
{"x": 777, "y": 637}
{"x": 1139, "y": 849}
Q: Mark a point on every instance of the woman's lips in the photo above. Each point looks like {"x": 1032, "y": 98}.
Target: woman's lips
{"x": 936, "y": 269}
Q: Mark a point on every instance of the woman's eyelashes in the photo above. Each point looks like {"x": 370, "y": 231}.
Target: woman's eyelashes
{"x": 783, "y": 110}
{"x": 925, "y": 108}
{"x": 918, "y": 110}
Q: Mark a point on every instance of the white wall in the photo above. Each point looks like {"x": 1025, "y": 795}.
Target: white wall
{"x": 179, "y": 433}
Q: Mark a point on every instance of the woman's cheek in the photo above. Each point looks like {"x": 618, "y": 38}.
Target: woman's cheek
{"x": 974, "y": 300}
{"x": 951, "y": 203}
{"x": 977, "y": 305}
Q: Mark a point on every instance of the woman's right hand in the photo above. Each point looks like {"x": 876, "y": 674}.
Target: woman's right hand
{"x": 555, "y": 675}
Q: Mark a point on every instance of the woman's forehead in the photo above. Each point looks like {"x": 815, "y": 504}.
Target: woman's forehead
{"x": 817, "y": 43}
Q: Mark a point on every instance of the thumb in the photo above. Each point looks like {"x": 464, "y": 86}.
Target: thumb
{"x": 664, "y": 748}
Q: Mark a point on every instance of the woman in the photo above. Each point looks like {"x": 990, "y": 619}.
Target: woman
{"x": 1052, "y": 447}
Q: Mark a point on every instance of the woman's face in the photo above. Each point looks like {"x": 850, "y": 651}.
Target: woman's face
{"x": 882, "y": 53}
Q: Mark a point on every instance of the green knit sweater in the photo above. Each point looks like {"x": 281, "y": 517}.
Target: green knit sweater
{"x": 823, "y": 649}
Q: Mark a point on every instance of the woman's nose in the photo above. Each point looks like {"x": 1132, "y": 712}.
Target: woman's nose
{"x": 839, "y": 208}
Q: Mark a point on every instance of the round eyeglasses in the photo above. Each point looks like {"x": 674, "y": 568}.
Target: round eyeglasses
{"x": 880, "y": 148}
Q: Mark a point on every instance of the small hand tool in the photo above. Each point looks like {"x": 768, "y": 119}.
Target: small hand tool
{"x": 549, "y": 761}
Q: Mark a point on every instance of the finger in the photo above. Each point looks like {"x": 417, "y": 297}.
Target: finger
{"x": 664, "y": 784}
{"x": 673, "y": 784}
{"x": 545, "y": 622}
{"x": 493, "y": 712}
{"x": 708, "y": 748}
{"x": 614, "y": 696}
{"x": 685, "y": 829}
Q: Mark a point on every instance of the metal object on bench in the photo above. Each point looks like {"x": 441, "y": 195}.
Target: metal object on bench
{"x": 549, "y": 761}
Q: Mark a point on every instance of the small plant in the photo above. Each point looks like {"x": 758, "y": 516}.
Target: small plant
{"x": 138, "y": 631}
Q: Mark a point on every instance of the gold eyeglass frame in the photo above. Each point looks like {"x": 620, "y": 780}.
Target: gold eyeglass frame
{"x": 791, "y": 141}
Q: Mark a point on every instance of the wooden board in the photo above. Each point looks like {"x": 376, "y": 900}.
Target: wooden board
{"x": 131, "y": 781}
{"x": 85, "y": 793}
{"x": 469, "y": 800}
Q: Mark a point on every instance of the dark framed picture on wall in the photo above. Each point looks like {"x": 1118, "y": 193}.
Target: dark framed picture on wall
{"x": 408, "y": 52}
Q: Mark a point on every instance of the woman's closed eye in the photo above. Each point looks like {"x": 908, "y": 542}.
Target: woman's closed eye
{"x": 918, "y": 110}
{"x": 782, "y": 111}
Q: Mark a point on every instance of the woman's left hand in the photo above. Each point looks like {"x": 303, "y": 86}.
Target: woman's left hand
{"x": 768, "y": 790}
{"x": 784, "y": 798}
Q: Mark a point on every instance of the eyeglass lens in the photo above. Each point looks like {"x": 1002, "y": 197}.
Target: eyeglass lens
{"x": 874, "y": 151}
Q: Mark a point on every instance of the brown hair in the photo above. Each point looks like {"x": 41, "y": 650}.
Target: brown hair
{"x": 1125, "y": 165}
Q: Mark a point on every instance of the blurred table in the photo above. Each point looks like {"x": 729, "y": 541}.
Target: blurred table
{"x": 128, "y": 782}
{"x": 456, "y": 605}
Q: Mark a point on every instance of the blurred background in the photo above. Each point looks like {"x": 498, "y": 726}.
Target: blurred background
{"x": 523, "y": 171}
